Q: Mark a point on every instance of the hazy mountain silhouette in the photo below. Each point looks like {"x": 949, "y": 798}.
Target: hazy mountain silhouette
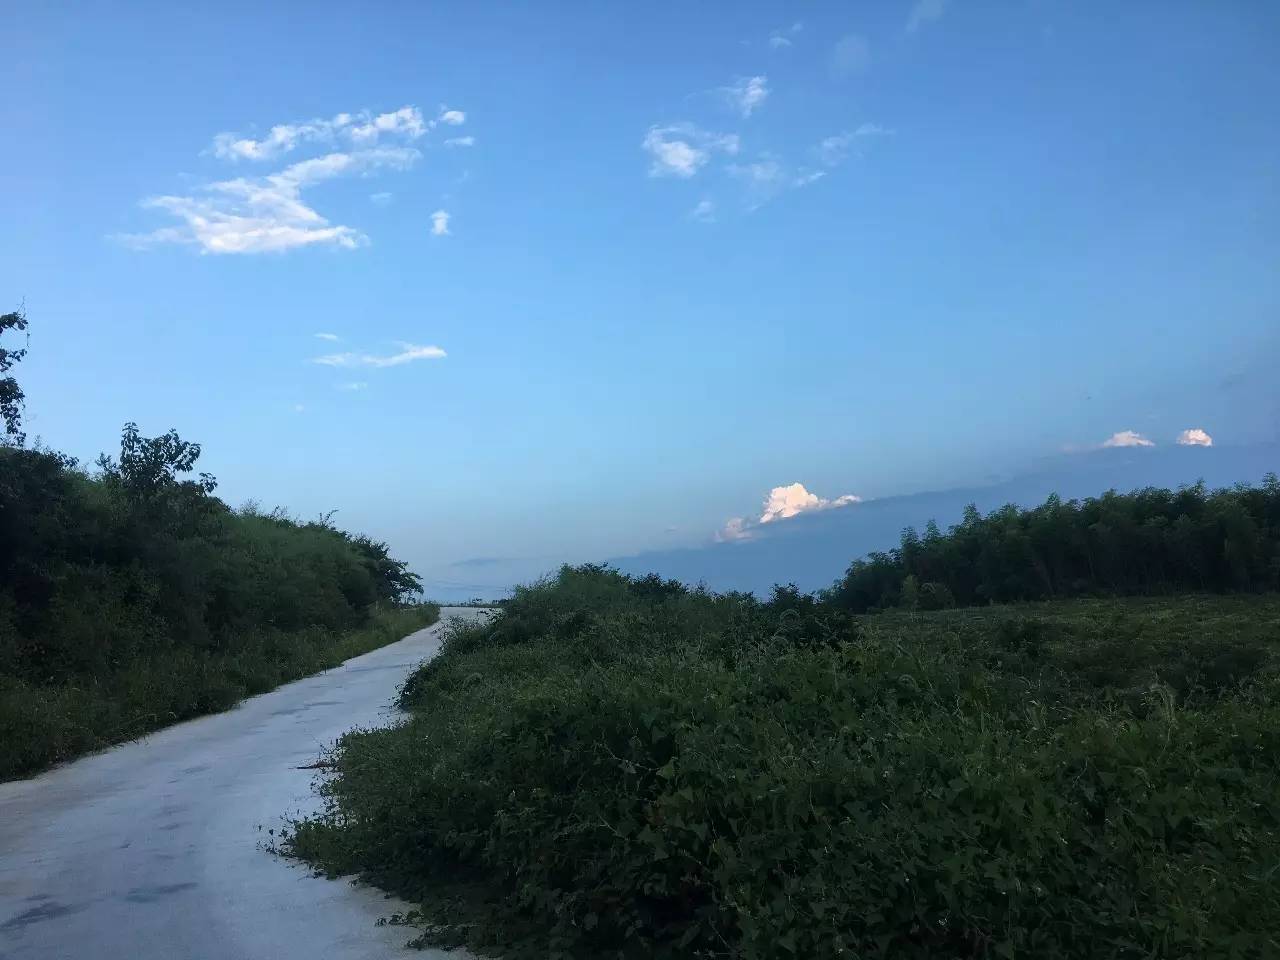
{"x": 813, "y": 550}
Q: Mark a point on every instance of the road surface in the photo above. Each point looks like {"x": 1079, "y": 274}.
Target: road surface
{"x": 152, "y": 850}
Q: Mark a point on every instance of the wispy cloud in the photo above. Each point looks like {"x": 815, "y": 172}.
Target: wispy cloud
{"x": 298, "y": 408}
{"x": 780, "y": 39}
{"x": 704, "y": 211}
{"x": 351, "y": 386}
{"x": 381, "y": 199}
{"x": 440, "y": 223}
{"x": 332, "y": 337}
{"x": 782, "y": 503}
{"x": 460, "y": 142}
{"x": 924, "y": 12}
{"x": 852, "y": 55}
{"x": 833, "y": 151}
{"x": 681, "y": 150}
{"x": 1127, "y": 438}
{"x": 1195, "y": 437}
{"x": 762, "y": 179}
{"x": 454, "y": 118}
{"x": 267, "y": 214}
{"x": 408, "y": 354}
{"x": 745, "y": 94}
{"x": 363, "y": 129}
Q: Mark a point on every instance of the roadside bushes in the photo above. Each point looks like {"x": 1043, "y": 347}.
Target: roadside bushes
{"x": 131, "y": 596}
{"x": 612, "y": 771}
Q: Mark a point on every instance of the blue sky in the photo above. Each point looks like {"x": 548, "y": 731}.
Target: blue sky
{"x": 675, "y": 256}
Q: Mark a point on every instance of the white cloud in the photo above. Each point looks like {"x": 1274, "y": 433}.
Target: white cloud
{"x": 363, "y": 128}
{"x": 785, "y": 502}
{"x": 1127, "y": 438}
{"x": 454, "y": 118}
{"x": 747, "y": 93}
{"x": 681, "y": 150}
{"x": 833, "y": 151}
{"x": 381, "y": 199}
{"x": 440, "y": 223}
{"x": 704, "y": 212}
{"x": 925, "y": 11}
{"x": 460, "y": 142}
{"x": 734, "y": 529}
{"x": 852, "y": 54}
{"x": 782, "y": 38}
{"x": 806, "y": 177}
{"x": 327, "y": 336}
{"x": 763, "y": 179}
{"x": 1195, "y": 437}
{"x": 408, "y": 353}
{"x": 352, "y": 386}
{"x": 266, "y": 214}
{"x": 782, "y": 503}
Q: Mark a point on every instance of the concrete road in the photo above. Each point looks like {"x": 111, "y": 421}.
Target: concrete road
{"x": 152, "y": 850}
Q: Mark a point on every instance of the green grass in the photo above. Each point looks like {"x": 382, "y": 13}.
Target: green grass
{"x": 620, "y": 768}
{"x": 44, "y": 724}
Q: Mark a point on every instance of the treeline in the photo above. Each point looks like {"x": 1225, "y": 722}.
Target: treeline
{"x": 131, "y": 596}
{"x": 1152, "y": 541}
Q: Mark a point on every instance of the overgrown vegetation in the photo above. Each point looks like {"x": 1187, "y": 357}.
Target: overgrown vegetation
{"x": 1152, "y": 541}
{"x": 132, "y": 597}
{"x": 620, "y": 767}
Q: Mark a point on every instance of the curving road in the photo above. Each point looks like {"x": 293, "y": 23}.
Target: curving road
{"x": 153, "y": 850}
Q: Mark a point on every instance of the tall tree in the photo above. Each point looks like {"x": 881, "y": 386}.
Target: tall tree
{"x": 11, "y": 395}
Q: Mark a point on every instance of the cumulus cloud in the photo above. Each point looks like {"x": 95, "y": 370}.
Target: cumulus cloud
{"x": 924, "y": 12}
{"x": 746, "y": 93}
{"x": 267, "y": 214}
{"x": 681, "y": 150}
{"x": 454, "y": 118}
{"x": 852, "y": 55}
{"x": 782, "y": 503}
{"x": 362, "y": 128}
{"x": 1127, "y": 438}
{"x": 408, "y": 353}
{"x": 326, "y": 336}
{"x": 440, "y": 223}
{"x": 1195, "y": 437}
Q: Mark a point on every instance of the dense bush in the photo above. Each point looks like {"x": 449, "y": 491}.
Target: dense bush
{"x": 624, "y": 768}
{"x": 132, "y": 596}
{"x": 1149, "y": 541}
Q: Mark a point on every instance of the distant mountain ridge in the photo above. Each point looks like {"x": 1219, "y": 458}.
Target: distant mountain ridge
{"x": 813, "y": 550}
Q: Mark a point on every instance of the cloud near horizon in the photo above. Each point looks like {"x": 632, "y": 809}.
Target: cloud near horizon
{"x": 408, "y": 353}
{"x": 1194, "y": 437}
{"x": 781, "y": 503}
{"x": 1128, "y": 438}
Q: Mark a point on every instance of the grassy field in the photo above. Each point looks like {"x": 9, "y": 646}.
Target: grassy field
{"x": 621, "y": 768}
{"x": 43, "y": 724}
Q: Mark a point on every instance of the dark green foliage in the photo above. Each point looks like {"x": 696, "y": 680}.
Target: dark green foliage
{"x": 134, "y": 597}
{"x": 1150, "y": 541}
{"x": 11, "y": 395}
{"x": 610, "y": 770}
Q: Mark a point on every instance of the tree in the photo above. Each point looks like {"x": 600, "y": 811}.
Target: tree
{"x": 11, "y": 395}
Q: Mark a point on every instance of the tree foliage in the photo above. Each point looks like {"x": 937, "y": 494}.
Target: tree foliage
{"x": 11, "y": 395}
{"x": 1145, "y": 542}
